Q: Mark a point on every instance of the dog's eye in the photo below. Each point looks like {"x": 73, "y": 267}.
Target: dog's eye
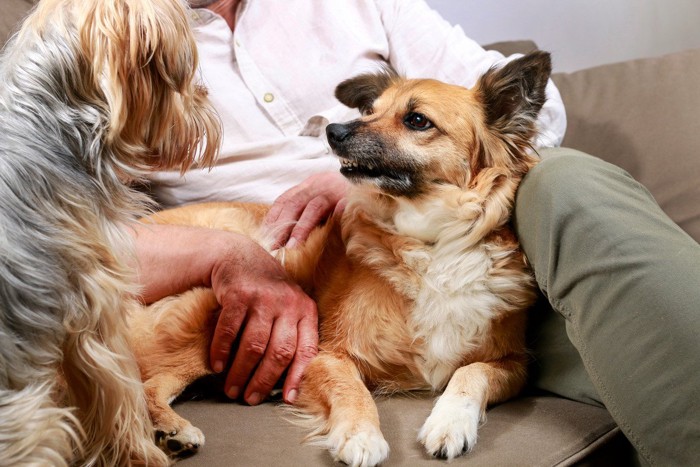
{"x": 416, "y": 121}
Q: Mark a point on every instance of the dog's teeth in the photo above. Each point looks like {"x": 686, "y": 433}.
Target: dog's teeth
{"x": 351, "y": 164}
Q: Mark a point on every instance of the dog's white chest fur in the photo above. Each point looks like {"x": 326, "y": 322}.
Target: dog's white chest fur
{"x": 454, "y": 304}
{"x": 452, "y": 312}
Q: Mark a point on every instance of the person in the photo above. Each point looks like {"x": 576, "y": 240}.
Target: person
{"x": 607, "y": 260}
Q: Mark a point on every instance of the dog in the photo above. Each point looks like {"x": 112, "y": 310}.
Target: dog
{"x": 420, "y": 283}
{"x": 95, "y": 94}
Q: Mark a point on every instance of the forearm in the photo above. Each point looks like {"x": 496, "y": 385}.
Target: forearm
{"x": 171, "y": 258}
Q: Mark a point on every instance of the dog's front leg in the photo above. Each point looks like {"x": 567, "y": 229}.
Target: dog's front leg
{"x": 335, "y": 396}
{"x": 176, "y": 436}
{"x": 451, "y": 428}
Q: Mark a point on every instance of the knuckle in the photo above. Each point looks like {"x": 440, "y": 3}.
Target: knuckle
{"x": 294, "y": 201}
{"x": 282, "y": 354}
{"x": 303, "y": 305}
{"x": 267, "y": 380}
{"x": 226, "y": 334}
{"x": 308, "y": 306}
{"x": 319, "y": 203}
{"x": 306, "y": 352}
{"x": 255, "y": 348}
{"x": 245, "y": 290}
{"x": 285, "y": 197}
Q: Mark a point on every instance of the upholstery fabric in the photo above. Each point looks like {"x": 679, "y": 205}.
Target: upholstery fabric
{"x": 11, "y": 12}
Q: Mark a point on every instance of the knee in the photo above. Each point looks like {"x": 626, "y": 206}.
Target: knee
{"x": 566, "y": 179}
{"x": 569, "y": 194}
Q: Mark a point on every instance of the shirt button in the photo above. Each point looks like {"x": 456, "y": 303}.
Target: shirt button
{"x": 268, "y": 97}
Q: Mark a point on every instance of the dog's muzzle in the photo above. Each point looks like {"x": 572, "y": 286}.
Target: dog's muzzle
{"x": 337, "y": 133}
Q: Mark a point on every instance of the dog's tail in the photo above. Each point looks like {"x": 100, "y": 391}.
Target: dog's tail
{"x": 33, "y": 430}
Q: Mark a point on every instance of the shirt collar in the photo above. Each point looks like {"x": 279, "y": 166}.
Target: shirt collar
{"x": 201, "y": 16}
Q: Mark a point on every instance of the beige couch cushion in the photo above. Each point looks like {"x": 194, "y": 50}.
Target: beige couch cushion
{"x": 530, "y": 431}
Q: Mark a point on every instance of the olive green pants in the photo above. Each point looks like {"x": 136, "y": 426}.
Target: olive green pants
{"x": 624, "y": 281}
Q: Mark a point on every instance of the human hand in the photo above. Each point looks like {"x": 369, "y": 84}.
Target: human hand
{"x": 277, "y": 322}
{"x": 303, "y": 207}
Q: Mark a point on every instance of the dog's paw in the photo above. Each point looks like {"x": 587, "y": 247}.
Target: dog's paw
{"x": 180, "y": 443}
{"x": 451, "y": 429}
{"x": 359, "y": 447}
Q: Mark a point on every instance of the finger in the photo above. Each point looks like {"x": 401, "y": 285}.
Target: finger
{"x": 316, "y": 211}
{"x": 227, "y": 327}
{"x": 275, "y": 211}
{"x": 307, "y": 349}
{"x": 340, "y": 207}
{"x": 282, "y": 217}
{"x": 254, "y": 341}
{"x": 279, "y": 354}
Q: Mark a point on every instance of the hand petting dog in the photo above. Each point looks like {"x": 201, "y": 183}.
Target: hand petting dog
{"x": 302, "y": 208}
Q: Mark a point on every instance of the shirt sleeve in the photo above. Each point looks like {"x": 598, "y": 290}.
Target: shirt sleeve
{"x": 422, "y": 44}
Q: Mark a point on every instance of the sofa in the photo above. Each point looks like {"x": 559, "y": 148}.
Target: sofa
{"x": 640, "y": 115}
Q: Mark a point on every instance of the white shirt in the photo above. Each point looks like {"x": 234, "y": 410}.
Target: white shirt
{"x": 272, "y": 83}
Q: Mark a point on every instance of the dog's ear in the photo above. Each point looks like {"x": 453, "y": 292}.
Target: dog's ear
{"x": 361, "y": 91}
{"x": 143, "y": 57}
{"x": 514, "y": 94}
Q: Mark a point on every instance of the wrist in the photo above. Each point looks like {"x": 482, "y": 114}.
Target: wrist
{"x": 172, "y": 258}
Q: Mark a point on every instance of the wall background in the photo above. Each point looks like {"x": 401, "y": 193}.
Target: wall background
{"x": 581, "y": 33}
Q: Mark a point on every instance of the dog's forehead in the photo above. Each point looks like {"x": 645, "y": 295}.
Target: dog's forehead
{"x": 422, "y": 94}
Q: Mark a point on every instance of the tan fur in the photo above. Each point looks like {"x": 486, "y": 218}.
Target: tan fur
{"x": 371, "y": 269}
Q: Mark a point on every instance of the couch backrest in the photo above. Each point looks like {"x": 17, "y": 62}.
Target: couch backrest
{"x": 643, "y": 116}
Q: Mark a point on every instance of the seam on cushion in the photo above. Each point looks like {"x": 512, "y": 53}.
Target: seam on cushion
{"x": 612, "y": 408}
{"x": 591, "y": 447}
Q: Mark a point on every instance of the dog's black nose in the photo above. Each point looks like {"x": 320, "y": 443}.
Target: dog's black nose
{"x": 337, "y": 132}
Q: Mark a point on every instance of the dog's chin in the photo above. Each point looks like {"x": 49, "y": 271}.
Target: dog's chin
{"x": 390, "y": 180}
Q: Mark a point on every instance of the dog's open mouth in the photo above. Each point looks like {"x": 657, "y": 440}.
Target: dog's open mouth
{"x": 349, "y": 167}
{"x": 392, "y": 180}
{"x": 353, "y": 168}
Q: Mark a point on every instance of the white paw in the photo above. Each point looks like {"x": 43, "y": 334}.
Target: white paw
{"x": 451, "y": 428}
{"x": 358, "y": 447}
{"x": 182, "y": 442}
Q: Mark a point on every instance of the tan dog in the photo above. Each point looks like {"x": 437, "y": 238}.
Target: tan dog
{"x": 420, "y": 284}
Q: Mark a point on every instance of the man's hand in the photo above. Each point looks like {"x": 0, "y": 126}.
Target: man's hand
{"x": 276, "y": 320}
{"x": 303, "y": 207}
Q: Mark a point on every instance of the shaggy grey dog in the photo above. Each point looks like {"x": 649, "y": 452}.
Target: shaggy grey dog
{"x": 95, "y": 93}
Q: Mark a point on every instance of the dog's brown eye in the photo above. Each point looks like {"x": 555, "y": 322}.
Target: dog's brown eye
{"x": 416, "y": 121}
